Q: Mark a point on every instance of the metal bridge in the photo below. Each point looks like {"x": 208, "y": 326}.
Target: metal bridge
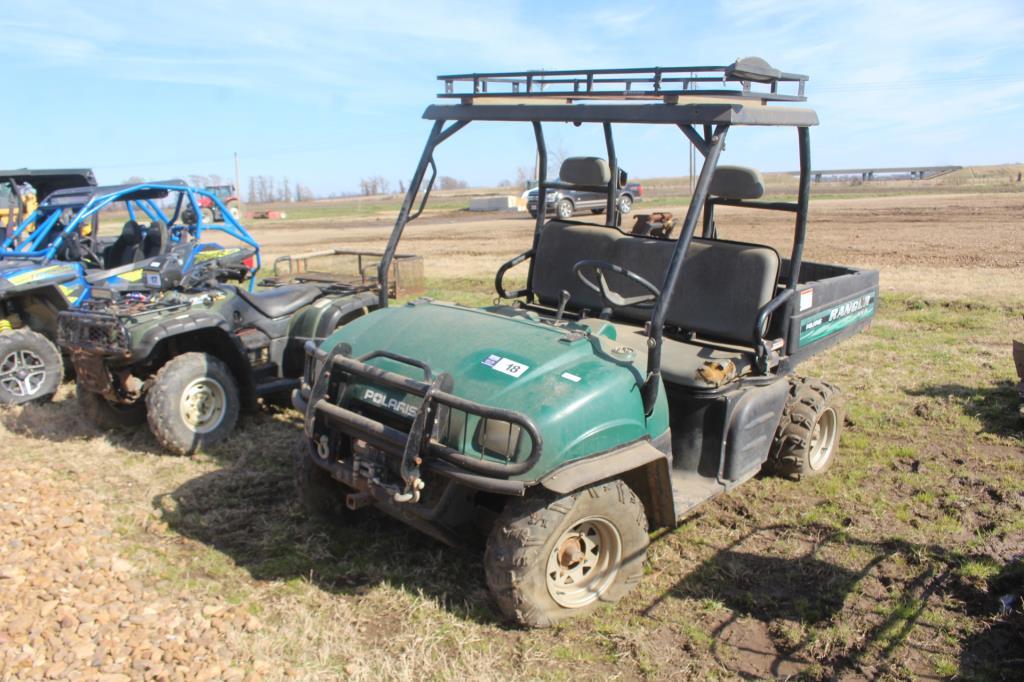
{"x": 866, "y": 174}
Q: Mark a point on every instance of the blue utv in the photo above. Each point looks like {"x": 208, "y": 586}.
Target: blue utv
{"x": 52, "y": 260}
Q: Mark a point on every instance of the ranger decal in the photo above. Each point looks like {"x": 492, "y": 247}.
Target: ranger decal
{"x": 827, "y": 322}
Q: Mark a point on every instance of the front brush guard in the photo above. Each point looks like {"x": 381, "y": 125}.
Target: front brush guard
{"x": 336, "y": 374}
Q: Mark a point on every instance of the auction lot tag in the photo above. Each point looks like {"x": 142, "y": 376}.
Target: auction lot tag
{"x": 505, "y": 365}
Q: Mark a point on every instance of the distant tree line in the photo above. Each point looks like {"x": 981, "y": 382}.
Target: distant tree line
{"x": 264, "y": 189}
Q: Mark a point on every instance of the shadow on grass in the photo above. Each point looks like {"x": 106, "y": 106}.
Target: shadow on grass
{"x": 249, "y": 510}
{"x": 996, "y": 652}
{"x": 996, "y": 407}
{"x": 800, "y": 601}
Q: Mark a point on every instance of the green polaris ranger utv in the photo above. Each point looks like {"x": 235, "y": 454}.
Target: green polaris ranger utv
{"x": 630, "y": 381}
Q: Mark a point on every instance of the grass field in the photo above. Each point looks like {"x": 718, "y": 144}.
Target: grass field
{"x": 891, "y": 566}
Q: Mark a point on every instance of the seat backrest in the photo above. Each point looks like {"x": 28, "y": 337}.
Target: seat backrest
{"x": 127, "y": 248}
{"x": 721, "y": 287}
{"x": 155, "y": 242}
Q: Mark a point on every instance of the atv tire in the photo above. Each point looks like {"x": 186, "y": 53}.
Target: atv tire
{"x": 107, "y": 415}
{"x": 808, "y": 436}
{"x": 553, "y": 557}
{"x": 319, "y": 494}
{"x": 193, "y": 403}
{"x": 31, "y": 367}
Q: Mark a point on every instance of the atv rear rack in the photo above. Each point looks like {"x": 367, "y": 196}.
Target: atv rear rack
{"x": 433, "y": 426}
{"x": 660, "y": 83}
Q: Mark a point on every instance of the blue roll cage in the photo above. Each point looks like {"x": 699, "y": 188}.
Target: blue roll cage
{"x": 32, "y": 247}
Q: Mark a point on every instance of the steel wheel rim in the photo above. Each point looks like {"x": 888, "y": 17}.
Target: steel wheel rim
{"x": 625, "y": 204}
{"x": 564, "y": 210}
{"x": 22, "y": 373}
{"x": 823, "y": 439}
{"x": 203, "y": 404}
{"x": 584, "y": 562}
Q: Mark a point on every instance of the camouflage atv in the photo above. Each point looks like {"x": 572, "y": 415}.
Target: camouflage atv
{"x": 185, "y": 350}
{"x": 51, "y": 260}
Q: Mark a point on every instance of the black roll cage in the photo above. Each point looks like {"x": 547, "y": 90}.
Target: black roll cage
{"x": 715, "y": 117}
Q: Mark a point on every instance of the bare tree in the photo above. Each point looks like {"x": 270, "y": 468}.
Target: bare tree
{"x": 253, "y": 196}
{"x": 286, "y": 190}
{"x": 524, "y": 174}
{"x": 447, "y": 182}
{"x": 303, "y": 193}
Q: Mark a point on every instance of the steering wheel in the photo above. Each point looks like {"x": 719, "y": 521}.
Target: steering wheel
{"x": 610, "y": 297}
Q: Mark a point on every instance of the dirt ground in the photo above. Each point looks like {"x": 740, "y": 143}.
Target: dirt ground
{"x": 120, "y": 562}
{"x": 956, "y": 245}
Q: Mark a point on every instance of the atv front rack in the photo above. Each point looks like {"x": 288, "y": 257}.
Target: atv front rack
{"x": 440, "y": 420}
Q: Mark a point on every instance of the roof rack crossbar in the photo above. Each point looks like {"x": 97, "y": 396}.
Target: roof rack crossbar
{"x": 632, "y": 83}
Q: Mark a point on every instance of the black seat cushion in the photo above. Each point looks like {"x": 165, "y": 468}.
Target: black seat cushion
{"x": 721, "y": 287}
{"x": 127, "y": 248}
{"x": 280, "y": 301}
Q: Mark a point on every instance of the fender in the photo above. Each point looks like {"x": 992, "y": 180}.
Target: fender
{"x": 643, "y": 467}
{"x": 318, "y": 320}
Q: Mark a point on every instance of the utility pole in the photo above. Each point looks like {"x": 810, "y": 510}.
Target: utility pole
{"x": 238, "y": 185}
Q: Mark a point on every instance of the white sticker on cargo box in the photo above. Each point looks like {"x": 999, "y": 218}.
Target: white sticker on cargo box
{"x": 505, "y": 365}
{"x": 569, "y": 376}
{"x": 806, "y": 299}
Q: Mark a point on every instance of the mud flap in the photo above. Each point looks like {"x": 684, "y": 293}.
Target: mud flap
{"x": 752, "y": 425}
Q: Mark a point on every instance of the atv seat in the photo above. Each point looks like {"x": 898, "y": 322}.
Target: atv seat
{"x": 721, "y": 288}
{"x": 280, "y": 301}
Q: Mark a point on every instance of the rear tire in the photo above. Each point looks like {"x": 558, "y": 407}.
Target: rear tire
{"x": 808, "y": 435}
{"x": 564, "y": 208}
{"x": 625, "y": 203}
{"x": 107, "y": 415}
{"x": 551, "y": 557}
{"x": 31, "y": 367}
{"x": 193, "y": 403}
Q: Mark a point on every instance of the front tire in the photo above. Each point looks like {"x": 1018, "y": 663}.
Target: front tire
{"x": 31, "y": 367}
{"x": 551, "y": 557}
{"x": 107, "y": 415}
{"x": 564, "y": 208}
{"x": 319, "y": 494}
{"x": 193, "y": 403}
{"x": 625, "y": 203}
{"x": 808, "y": 435}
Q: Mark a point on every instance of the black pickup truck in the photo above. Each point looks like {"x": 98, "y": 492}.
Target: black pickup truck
{"x": 564, "y": 203}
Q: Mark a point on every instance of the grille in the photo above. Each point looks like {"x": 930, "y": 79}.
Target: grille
{"x": 93, "y": 332}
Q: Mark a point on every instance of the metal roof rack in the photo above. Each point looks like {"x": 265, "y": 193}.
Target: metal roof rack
{"x": 656, "y": 83}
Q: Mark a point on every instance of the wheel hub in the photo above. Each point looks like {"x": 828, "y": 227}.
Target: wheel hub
{"x": 22, "y": 373}
{"x": 203, "y": 404}
{"x": 823, "y": 438}
{"x": 584, "y": 562}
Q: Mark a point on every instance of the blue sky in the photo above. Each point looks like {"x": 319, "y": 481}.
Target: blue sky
{"x": 328, "y": 92}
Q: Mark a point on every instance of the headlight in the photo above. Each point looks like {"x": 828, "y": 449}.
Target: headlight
{"x": 497, "y": 437}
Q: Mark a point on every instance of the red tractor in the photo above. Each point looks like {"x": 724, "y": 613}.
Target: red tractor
{"x": 211, "y": 212}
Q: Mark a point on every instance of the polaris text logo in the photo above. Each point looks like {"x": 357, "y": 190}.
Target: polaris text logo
{"x": 396, "y": 406}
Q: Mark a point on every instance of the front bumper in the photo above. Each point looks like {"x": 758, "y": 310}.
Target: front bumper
{"x": 427, "y": 442}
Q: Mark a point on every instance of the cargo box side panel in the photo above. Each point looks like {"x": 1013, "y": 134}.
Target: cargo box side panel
{"x": 828, "y": 311}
